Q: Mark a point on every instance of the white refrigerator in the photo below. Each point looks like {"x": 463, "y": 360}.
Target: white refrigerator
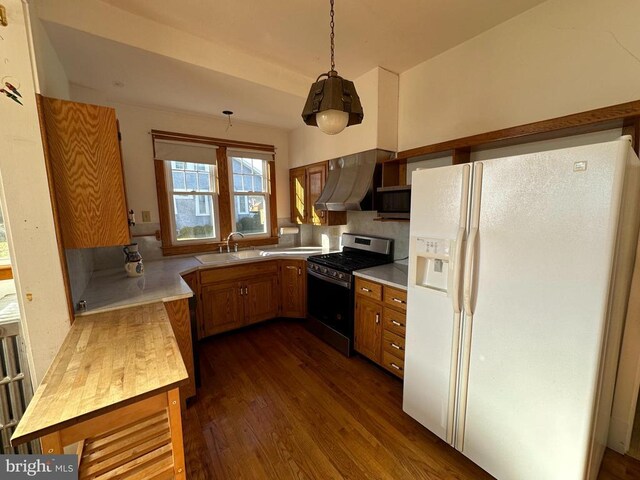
{"x": 519, "y": 274}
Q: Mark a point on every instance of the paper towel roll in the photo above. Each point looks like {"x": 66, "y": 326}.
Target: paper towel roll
{"x": 289, "y": 230}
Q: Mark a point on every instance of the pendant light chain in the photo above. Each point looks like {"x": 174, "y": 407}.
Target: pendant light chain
{"x": 332, "y": 24}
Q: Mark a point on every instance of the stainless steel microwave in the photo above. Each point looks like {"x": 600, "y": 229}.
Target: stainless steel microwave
{"x": 394, "y": 202}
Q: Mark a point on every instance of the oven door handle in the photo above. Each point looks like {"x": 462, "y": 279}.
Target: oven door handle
{"x": 340, "y": 283}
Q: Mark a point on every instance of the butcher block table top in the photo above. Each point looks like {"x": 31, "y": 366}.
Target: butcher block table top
{"x": 107, "y": 361}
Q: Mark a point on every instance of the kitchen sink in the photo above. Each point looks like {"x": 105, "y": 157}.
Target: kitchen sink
{"x": 243, "y": 254}
{"x": 210, "y": 258}
{"x": 216, "y": 258}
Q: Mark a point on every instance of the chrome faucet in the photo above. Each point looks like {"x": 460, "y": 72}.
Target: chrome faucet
{"x": 229, "y": 238}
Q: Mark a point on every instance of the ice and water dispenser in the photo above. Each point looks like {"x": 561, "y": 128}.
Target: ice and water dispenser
{"x": 433, "y": 263}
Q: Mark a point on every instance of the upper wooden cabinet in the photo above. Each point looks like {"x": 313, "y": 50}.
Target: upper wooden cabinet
{"x": 305, "y": 186}
{"x": 85, "y": 167}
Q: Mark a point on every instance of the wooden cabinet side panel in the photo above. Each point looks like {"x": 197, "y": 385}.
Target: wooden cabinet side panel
{"x": 222, "y": 307}
{"x": 179, "y": 316}
{"x": 87, "y": 173}
{"x": 368, "y": 328}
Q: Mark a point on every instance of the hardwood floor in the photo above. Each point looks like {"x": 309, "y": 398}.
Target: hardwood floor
{"x": 277, "y": 403}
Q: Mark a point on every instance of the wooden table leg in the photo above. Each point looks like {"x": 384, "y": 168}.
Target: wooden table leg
{"x": 175, "y": 424}
{"x": 51, "y": 444}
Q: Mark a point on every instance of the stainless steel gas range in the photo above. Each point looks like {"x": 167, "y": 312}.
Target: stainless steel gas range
{"x": 330, "y": 286}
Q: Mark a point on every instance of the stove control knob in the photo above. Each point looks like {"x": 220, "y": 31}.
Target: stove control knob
{"x": 334, "y": 273}
{"x": 341, "y": 276}
{"x": 323, "y": 270}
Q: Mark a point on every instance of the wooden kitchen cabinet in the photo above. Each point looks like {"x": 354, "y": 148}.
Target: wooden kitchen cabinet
{"x": 222, "y": 307}
{"x": 305, "y": 186}
{"x": 86, "y": 174}
{"x": 236, "y": 296}
{"x": 293, "y": 288}
{"x": 380, "y": 324}
{"x": 261, "y": 298}
{"x": 368, "y": 329}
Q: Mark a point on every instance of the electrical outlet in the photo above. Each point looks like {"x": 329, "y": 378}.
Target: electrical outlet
{"x": 146, "y": 216}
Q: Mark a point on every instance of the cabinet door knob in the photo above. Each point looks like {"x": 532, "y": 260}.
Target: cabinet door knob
{"x": 241, "y": 291}
{"x": 377, "y": 318}
{"x": 246, "y": 290}
{"x": 299, "y": 271}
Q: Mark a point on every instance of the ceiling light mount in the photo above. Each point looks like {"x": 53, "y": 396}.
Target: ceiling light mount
{"x": 333, "y": 103}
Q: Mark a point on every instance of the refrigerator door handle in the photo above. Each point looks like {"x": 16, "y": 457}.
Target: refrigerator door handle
{"x": 455, "y": 294}
{"x": 469, "y": 271}
{"x": 469, "y": 264}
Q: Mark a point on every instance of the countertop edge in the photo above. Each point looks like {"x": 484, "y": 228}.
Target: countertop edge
{"x": 383, "y": 281}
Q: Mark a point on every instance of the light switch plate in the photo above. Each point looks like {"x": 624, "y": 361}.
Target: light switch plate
{"x": 146, "y": 216}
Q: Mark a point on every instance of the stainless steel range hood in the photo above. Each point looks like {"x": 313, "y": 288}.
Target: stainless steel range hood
{"x": 350, "y": 183}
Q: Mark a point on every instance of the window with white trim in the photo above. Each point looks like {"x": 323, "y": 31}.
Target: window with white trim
{"x": 249, "y": 172}
{"x": 192, "y": 190}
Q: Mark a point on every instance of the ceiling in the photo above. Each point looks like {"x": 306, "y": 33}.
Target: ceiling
{"x": 156, "y": 80}
{"x": 289, "y": 34}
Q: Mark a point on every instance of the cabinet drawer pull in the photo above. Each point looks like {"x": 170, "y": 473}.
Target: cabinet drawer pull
{"x": 241, "y": 291}
{"x": 246, "y": 290}
{"x": 395, "y": 366}
{"x": 396, "y": 323}
{"x": 398, "y": 300}
{"x": 291, "y": 267}
{"x": 365, "y": 289}
{"x": 397, "y": 347}
{"x": 377, "y": 318}
{"x": 299, "y": 271}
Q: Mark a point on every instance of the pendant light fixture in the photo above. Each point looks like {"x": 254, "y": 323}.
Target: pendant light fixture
{"x": 333, "y": 103}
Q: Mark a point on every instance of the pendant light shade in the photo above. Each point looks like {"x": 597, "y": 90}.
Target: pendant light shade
{"x": 333, "y": 103}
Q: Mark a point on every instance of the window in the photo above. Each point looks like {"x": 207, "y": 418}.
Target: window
{"x": 191, "y": 187}
{"x": 208, "y": 188}
{"x": 250, "y": 190}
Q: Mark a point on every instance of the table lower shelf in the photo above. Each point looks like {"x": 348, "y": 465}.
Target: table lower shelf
{"x": 140, "y": 450}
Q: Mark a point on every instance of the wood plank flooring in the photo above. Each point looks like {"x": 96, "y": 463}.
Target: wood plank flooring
{"x": 277, "y": 403}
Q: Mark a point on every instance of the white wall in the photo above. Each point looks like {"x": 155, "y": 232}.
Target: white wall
{"x": 27, "y": 206}
{"x": 52, "y": 78}
{"x": 378, "y": 92}
{"x": 137, "y": 121}
{"x": 562, "y": 57}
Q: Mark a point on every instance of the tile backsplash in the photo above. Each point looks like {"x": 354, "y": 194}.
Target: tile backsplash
{"x": 363, "y": 223}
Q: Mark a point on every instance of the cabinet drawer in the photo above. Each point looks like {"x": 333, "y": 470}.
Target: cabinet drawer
{"x": 393, "y": 364}
{"x": 394, "y": 321}
{"x": 225, "y": 274}
{"x": 393, "y": 344}
{"x": 395, "y": 298}
{"x": 368, "y": 289}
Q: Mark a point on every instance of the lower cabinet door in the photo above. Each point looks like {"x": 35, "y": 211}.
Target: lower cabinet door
{"x": 261, "y": 298}
{"x": 368, "y": 329}
{"x": 222, "y": 307}
{"x": 293, "y": 288}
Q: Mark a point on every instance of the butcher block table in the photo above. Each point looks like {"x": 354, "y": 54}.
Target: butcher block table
{"x": 113, "y": 389}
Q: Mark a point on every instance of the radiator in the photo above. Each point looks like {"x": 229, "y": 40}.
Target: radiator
{"x": 15, "y": 387}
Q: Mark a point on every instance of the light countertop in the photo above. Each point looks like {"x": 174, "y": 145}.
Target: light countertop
{"x": 162, "y": 282}
{"x": 392, "y": 274}
{"x": 107, "y": 361}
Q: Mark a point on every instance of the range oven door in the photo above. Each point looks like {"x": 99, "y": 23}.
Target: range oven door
{"x": 330, "y": 303}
